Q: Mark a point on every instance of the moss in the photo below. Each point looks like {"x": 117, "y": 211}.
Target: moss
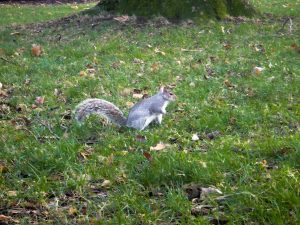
{"x": 174, "y": 9}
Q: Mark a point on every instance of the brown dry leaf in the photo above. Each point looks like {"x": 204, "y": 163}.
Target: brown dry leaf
{"x": 4, "y": 219}
{"x": 36, "y": 50}
{"x": 296, "y": 47}
{"x": 82, "y": 73}
{"x": 258, "y": 70}
{"x": 229, "y": 84}
{"x": 12, "y": 193}
{"x": 3, "y": 168}
{"x": 88, "y": 151}
{"x": 3, "y": 93}
{"x": 227, "y": 45}
{"x": 155, "y": 67}
{"x": 39, "y": 100}
{"x": 129, "y": 104}
{"x": 121, "y": 19}
{"x": 148, "y": 156}
{"x": 141, "y": 138}
{"x": 138, "y": 96}
{"x": 160, "y": 146}
{"x": 34, "y": 106}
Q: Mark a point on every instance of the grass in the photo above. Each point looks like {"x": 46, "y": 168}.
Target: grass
{"x": 52, "y": 170}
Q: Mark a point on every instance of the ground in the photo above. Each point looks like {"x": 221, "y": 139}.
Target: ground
{"x": 227, "y": 150}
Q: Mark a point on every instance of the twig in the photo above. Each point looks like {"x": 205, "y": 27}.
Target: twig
{"x": 290, "y": 25}
{"x": 4, "y": 59}
{"x": 191, "y": 50}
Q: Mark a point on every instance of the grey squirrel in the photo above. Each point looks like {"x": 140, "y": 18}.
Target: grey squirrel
{"x": 140, "y": 115}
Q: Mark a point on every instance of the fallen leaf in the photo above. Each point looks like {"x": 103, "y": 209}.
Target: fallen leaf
{"x": 148, "y": 156}
{"x": 72, "y": 211}
{"x": 34, "y": 106}
{"x": 121, "y": 19}
{"x": 258, "y": 70}
{"x": 4, "y": 218}
{"x": 195, "y": 137}
{"x": 3, "y": 168}
{"x": 227, "y": 45}
{"x": 36, "y": 50}
{"x": 129, "y": 104}
{"x": 160, "y": 146}
{"x": 138, "y": 96}
{"x": 296, "y": 47}
{"x": 82, "y": 73}
{"x": 141, "y": 138}
{"x": 155, "y": 67}
{"x": 39, "y": 100}
{"x": 229, "y": 84}
{"x": 106, "y": 184}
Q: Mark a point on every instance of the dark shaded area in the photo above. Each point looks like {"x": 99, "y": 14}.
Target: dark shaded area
{"x": 172, "y": 9}
{"x": 44, "y": 1}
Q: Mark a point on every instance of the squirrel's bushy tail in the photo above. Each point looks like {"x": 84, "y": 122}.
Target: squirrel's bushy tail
{"x": 99, "y": 107}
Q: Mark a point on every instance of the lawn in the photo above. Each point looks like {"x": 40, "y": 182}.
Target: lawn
{"x": 234, "y": 129}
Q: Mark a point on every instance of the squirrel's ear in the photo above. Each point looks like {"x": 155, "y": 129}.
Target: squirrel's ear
{"x": 162, "y": 88}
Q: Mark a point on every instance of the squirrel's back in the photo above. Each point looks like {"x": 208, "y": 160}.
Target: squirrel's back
{"x": 99, "y": 107}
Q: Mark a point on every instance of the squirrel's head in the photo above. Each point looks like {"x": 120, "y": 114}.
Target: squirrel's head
{"x": 167, "y": 94}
